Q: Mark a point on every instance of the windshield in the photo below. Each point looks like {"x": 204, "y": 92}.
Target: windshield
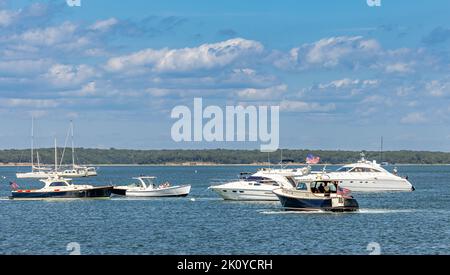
{"x": 148, "y": 181}
{"x": 344, "y": 169}
{"x": 58, "y": 184}
{"x": 261, "y": 180}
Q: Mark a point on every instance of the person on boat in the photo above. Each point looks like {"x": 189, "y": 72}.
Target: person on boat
{"x": 335, "y": 183}
{"x": 321, "y": 189}
{"x": 326, "y": 189}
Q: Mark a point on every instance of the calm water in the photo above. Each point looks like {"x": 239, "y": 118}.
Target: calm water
{"x": 401, "y": 223}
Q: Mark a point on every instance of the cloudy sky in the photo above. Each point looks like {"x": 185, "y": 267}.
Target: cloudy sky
{"x": 343, "y": 73}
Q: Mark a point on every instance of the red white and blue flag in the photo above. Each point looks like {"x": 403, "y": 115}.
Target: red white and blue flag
{"x": 343, "y": 191}
{"x": 311, "y": 159}
{"x": 13, "y": 185}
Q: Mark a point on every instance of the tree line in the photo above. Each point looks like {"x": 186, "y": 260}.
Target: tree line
{"x": 219, "y": 156}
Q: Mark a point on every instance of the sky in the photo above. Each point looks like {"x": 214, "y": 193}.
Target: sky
{"x": 343, "y": 73}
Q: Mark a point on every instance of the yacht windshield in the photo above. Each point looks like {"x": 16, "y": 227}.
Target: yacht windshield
{"x": 364, "y": 170}
{"x": 58, "y": 183}
{"x": 344, "y": 169}
{"x": 261, "y": 180}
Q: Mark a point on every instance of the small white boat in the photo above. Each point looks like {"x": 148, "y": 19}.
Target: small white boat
{"x": 146, "y": 187}
{"x": 259, "y": 186}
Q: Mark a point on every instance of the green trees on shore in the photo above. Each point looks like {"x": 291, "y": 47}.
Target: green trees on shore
{"x": 220, "y": 156}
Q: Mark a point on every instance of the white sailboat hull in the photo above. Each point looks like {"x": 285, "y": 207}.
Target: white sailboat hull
{"x": 44, "y": 175}
{"x": 32, "y": 175}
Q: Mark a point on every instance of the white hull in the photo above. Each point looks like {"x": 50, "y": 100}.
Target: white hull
{"x": 175, "y": 191}
{"x": 241, "y": 194}
{"x": 32, "y": 175}
{"x": 364, "y": 182}
{"x": 44, "y": 175}
{"x": 377, "y": 185}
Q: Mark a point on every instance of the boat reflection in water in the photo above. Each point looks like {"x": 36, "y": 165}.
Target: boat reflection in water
{"x": 322, "y": 195}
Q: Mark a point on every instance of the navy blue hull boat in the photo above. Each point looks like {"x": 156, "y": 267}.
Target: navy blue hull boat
{"x": 317, "y": 195}
{"x": 58, "y": 188}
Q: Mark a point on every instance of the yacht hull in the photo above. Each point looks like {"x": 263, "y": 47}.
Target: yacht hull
{"x": 245, "y": 194}
{"x": 96, "y": 192}
{"x": 364, "y": 184}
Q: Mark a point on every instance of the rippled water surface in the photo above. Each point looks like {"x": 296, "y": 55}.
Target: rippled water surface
{"x": 401, "y": 223}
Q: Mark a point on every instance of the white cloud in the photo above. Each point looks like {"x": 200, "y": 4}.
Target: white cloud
{"x": 25, "y": 66}
{"x": 104, "y": 25}
{"x": 438, "y": 88}
{"x": 29, "y": 103}
{"x": 66, "y": 75}
{"x": 48, "y": 36}
{"x": 413, "y": 118}
{"x": 262, "y": 93}
{"x": 330, "y": 52}
{"x": 206, "y": 56}
{"x": 400, "y": 67}
{"x": 7, "y": 17}
{"x": 301, "y": 106}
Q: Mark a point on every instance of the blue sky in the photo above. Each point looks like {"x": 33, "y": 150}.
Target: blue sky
{"x": 343, "y": 73}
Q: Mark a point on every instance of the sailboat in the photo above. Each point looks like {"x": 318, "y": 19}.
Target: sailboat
{"x": 37, "y": 172}
{"x": 56, "y": 187}
{"x": 75, "y": 171}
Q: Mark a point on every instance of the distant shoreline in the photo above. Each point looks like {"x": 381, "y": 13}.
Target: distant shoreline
{"x": 219, "y": 164}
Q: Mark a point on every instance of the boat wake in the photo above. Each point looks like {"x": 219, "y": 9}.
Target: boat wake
{"x": 360, "y": 211}
{"x": 385, "y": 211}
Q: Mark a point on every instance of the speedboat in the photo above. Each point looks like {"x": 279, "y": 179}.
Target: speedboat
{"x": 62, "y": 188}
{"x": 363, "y": 176}
{"x": 146, "y": 187}
{"x": 324, "y": 195}
{"x": 259, "y": 186}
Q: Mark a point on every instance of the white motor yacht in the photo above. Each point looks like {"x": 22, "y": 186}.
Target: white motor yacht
{"x": 146, "y": 187}
{"x": 363, "y": 176}
{"x": 259, "y": 186}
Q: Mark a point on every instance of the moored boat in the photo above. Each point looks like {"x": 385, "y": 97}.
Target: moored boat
{"x": 259, "y": 186}
{"x": 317, "y": 195}
{"x": 146, "y": 187}
{"x": 62, "y": 188}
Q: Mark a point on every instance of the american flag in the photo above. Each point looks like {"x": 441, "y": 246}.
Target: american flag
{"x": 311, "y": 159}
{"x": 343, "y": 191}
{"x": 13, "y": 185}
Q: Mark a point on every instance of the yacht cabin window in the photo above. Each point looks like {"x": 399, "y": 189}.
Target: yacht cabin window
{"x": 364, "y": 170}
{"x": 302, "y": 186}
{"x": 58, "y": 183}
{"x": 344, "y": 169}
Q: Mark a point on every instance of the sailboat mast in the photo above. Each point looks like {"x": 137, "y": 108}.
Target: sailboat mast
{"x": 73, "y": 147}
{"x": 381, "y": 150}
{"x": 56, "y": 158}
{"x": 32, "y": 143}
